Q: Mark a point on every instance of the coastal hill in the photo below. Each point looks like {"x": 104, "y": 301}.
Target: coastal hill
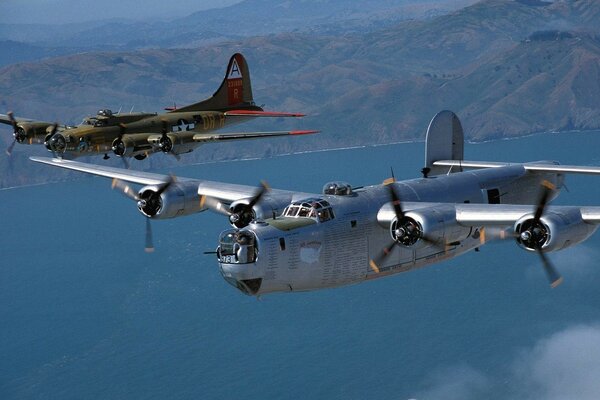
{"x": 507, "y": 68}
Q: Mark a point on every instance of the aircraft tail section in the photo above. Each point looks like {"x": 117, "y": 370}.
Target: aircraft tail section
{"x": 445, "y": 141}
{"x": 235, "y": 92}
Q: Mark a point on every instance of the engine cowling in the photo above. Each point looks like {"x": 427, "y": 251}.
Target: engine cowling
{"x": 181, "y": 198}
{"x": 554, "y": 231}
{"x": 31, "y": 131}
{"x": 268, "y": 207}
{"x": 165, "y": 143}
{"x": 424, "y": 227}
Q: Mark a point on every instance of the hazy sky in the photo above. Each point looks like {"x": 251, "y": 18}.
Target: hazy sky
{"x": 60, "y": 11}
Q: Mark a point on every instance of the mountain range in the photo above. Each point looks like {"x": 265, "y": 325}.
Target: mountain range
{"x": 508, "y": 68}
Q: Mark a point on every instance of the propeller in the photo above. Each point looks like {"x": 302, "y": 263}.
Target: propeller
{"x": 533, "y": 234}
{"x": 152, "y": 203}
{"x": 406, "y": 231}
{"x": 243, "y": 214}
{"x": 51, "y": 143}
{"x": 118, "y": 146}
{"x": 165, "y": 143}
{"x": 15, "y": 127}
{"x": 149, "y": 242}
{"x": 400, "y": 216}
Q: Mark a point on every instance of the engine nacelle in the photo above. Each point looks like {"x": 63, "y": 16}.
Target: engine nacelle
{"x": 130, "y": 146}
{"x": 554, "y": 231}
{"x": 32, "y": 132}
{"x": 435, "y": 225}
{"x": 268, "y": 207}
{"x": 171, "y": 143}
{"x": 181, "y": 198}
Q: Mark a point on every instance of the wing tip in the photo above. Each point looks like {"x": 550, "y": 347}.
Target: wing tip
{"x": 304, "y": 132}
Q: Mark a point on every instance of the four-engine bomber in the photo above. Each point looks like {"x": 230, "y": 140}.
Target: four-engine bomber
{"x": 284, "y": 241}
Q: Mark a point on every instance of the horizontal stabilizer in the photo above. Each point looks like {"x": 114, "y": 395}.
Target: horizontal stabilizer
{"x": 216, "y": 137}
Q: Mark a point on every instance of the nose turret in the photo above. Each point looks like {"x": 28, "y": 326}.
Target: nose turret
{"x": 237, "y": 255}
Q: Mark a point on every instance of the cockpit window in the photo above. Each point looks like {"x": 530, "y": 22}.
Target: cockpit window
{"x": 318, "y": 209}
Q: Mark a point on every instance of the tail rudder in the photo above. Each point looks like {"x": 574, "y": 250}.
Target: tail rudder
{"x": 445, "y": 141}
{"x": 235, "y": 91}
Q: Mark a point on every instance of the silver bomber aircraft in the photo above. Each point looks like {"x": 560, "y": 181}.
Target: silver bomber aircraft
{"x": 284, "y": 241}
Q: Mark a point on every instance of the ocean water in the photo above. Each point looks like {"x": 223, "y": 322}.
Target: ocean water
{"x": 85, "y": 313}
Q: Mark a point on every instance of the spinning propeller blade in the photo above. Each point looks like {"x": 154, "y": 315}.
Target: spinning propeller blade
{"x": 125, "y": 189}
{"x": 149, "y": 245}
{"x": 553, "y": 275}
{"x": 13, "y": 122}
{"x": 130, "y": 193}
{"x": 242, "y": 216}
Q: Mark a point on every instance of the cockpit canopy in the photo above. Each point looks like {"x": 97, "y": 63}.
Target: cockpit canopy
{"x": 318, "y": 209}
{"x": 100, "y": 119}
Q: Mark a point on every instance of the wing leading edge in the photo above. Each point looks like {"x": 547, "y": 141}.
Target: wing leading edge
{"x": 532, "y": 167}
{"x": 217, "y": 137}
{"x": 481, "y": 215}
{"x": 226, "y": 192}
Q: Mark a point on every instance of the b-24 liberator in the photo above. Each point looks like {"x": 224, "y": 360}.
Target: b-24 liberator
{"x": 284, "y": 241}
{"x": 139, "y": 134}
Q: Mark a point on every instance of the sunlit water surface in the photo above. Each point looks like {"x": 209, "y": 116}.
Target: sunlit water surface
{"x": 85, "y": 313}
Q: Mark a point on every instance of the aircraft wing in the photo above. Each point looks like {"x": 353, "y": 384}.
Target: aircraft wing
{"x": 5, "y": 119}
{"x": 225, "y": 192}
{"x": 139, "y": 177}
{"x": 217, "y": 137}
{"x": 507, "y": 214}
{"x": 486, "y": 215}
{"x": 532, "y": 167}
{"x": 252, "y": 113}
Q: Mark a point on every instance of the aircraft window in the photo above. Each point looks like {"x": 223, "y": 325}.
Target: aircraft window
{"x": 304, "y": 211}
{"x": 325, "y": 215}
{"x": 316, "y": 209}
{"x": 292, "y": 211}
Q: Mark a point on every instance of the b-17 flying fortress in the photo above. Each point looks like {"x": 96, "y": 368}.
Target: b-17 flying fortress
{"x": 139, "y": 134}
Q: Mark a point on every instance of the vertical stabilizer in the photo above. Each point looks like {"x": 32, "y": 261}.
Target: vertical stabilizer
{"x": 445, "y": 141}
{"x": 234, "y": 93}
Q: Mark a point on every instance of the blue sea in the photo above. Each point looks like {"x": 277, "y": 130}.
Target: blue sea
{"x": 85, "y": 313}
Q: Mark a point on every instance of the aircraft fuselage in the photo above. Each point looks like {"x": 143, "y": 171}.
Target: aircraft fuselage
{"x": 300, "y": 253}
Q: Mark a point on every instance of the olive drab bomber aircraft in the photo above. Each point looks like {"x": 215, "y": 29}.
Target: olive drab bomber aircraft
{"x": 284, "y": 241}
{"x": 139, "y": 134}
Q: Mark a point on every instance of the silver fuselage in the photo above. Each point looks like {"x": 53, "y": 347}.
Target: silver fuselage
{"x": 295, "y": 254}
